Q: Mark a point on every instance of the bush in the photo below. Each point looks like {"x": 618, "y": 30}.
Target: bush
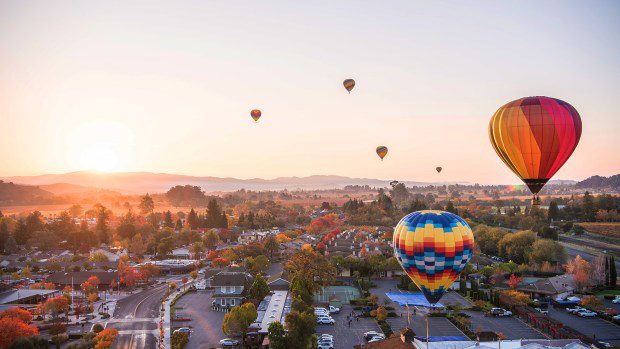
{"x": 609, "y": 297}
{"x": 392, "y": 314}
{"x": 389, "y": 308}
{"x": 437, "y": 314}
{"x": 97, "y": 328}
{"x": 385, "y": 327}
{"x": 179, "y": 340}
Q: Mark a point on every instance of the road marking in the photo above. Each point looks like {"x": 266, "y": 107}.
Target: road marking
{"x": 138, "y": 319}
{"x": 145, "y": 298}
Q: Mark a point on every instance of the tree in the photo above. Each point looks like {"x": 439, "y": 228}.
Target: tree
{"x": 579, "y": 269}
{"x": 514, "y": 281}
{"x": 381, "y": 314}
{"x": 277, "y": 335}
{"x": 211, "y": 239}
{"x": 98, "y": 257}
{"x": 515, "y": 246}
{"x": 237, "y": 321}
{"x": 259, "y": 264}
{"x": 168, "y": 220}
{"x": 271, "y": 245}
{"x": 4, "y": 234}
{"x": 545, "y": 250}
{"x": 10, "y": 246}
{"x": 554, "y": 212}
{"x": 55, "y": 306}
{"x": 300, "y": 327}
{"x": 197, "y": 248}
{"x": 450, "y": 207}
{"x": 215, "y": 217}
{"x": 220, "y": 262}
{"x": 192, "y": 220}
{"x": 148, "y": 271}
{"x": 75, "y": 211}
{"x": 11, "y": 329}
{"x": 312, "y": 268}
{"x": 106, "y": 338}
{"x": 18, "y": 313}
{"x": 103, "y": 215}
{"x": 259, "y": 289}
{"x": 591, "y": 301}
{"x": 147, "y": 205}
{"x": 613, "y": 276}
{"x": 137, "y": 245}
{"x": 193, "y": 275}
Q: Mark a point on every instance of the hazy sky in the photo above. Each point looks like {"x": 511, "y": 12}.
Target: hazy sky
{"x": 167, "y": 86}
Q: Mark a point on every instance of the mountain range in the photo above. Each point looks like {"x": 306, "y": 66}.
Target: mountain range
{"x": 143, "y": 182}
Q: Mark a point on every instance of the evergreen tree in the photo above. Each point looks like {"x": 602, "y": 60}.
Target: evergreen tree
{"x": 554, "y": 212}
{"x": 21, "y": 234}
{"x": 613, "y": 276}
{"x": 4, "y": 234}
{"x": 277, "y": 335}
{"x": 450, "y": 207}
{"x": 178, "y": 225}
{"x": 259, "y": 289}
{"x": 10, "y": 246}
{"x": 102, "y": 224}
{"x": 168, "y": 220}
{"x": 607, "y": 280}
{"x": 193, "y": 220}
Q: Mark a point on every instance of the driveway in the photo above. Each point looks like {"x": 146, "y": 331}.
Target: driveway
{"x": 205, "y": 323}
{"x": 602, "y": 329}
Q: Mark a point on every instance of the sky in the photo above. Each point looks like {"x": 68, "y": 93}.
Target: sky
{"x": 167, "y": 86}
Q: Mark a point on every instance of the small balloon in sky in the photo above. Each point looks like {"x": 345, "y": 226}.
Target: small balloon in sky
{"x": 349, "y": 84}
{"x": 382, "y": 151}
{"x": 255, "y": 114}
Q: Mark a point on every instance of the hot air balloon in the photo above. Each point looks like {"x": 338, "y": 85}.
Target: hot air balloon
{"x": 255, "y": 114}
{"x": 382, "y": 151}
{"x": 349, "y": 84}
{"x": 433, "y": 247}
{"x": 534, "y": 136}
{"x": 438, "y": 168}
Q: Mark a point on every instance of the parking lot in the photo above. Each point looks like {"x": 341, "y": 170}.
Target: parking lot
{"x": 205, "y": 323}
{"x": 602, "y": 329}
{"x": 510, "y": 326}
{"x": 345, "y": 336}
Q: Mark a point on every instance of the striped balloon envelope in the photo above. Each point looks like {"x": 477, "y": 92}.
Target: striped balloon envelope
{"x": 534, "y": 136}
{"x": 433, "y": 247}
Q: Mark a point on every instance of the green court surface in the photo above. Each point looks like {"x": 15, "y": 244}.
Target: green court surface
{"x": 343, "y": 294}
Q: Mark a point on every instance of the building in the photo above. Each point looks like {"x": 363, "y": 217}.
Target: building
{"x": 75, "y": 279}
{"x": 557, "y": 286}
{"x": 403, "y": 341}
{"x": 256, "y": 235}
{"x": 273, "y": 307}
{"x": 230, "y": 288}
{"x": 24, "y": 296}
{"x": 278, "y": 282}
{"x": 181, "y": 253}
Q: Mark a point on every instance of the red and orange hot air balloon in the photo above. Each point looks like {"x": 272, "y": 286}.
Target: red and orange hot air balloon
{"x": 255, "y": 114}
{"x": 534, "y": 136}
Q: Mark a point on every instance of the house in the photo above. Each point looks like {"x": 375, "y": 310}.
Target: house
{"x": 112, "y": 256}
{"x": 26, "y": 296}
{"x": 273, "y": 307}
{"x": 181, "y": 253}
{"x": 277, "y": 282}
{"x": 230, "y": 288}
{"x": 256, "y": 235}
{"x": 75, "y": 279}
{"x": 555, "y": 286}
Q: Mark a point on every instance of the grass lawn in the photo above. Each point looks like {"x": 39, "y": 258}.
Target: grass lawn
{"x": 608, "y": 292}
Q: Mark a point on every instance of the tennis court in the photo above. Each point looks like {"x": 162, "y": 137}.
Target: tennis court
{"x": 343, "y": 294}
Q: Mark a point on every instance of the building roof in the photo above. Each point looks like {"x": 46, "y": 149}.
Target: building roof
{"x": 105, "y": 277}
{"x": 389, "y": 343}
{"x": 227, "y": 278}
{"x": 550, "y": 286}
{"x": 273, "y": 308}
{"x": 505, "y": 344}
{"x": 15, "y": 296}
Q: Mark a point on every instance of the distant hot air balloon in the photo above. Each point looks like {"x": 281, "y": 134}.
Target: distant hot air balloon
{"x": 382, "y": 151}
{"x": 438, "y": 168}
{"x": 534, "y": 136}
{"x": 255, "y": 114}
{"x": 433, "y": 247}
{"x": 349, "y": 84}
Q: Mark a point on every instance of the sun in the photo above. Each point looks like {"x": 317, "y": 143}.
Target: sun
{"x": 100, "y": 156}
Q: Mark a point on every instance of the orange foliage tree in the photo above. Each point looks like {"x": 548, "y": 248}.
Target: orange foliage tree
{"x": 106, "y": 338}
{"x": 321, "y": 224}
{"x": 17, "y": 313}
{"x": 514, "y": 281}
{"x": 579, "y": 269}
{"x": 220, "y": 262}
{"x": 11, "y": 329}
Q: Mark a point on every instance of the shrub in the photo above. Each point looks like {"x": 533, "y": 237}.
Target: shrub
{"x": 392, "y": 314}
{"x": 97, "y": 328}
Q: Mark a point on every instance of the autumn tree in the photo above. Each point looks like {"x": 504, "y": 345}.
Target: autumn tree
{"x": 300, "y": 327}
{"x": 106, "y": 338}
{"x": 311, "y": 267}
{"x": 514, "y": 281}
{"x": 271, "y": 245}
{"x": 147, "y": 205}
{"x": 12, "y": 329}
{"x": 259, "y": 264}
{"x": 211, "y": 239}
{"x": 277, "y": 335}
{"x": 579, "y": 269}
{"x": 18, "y": 313}
{"x": 591, "y": 301}
{"x": 237, "y": 321}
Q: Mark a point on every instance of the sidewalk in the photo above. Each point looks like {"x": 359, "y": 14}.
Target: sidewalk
{"x": 167, "y": 324}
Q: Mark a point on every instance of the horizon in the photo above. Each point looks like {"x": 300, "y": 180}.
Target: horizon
{"x": 169, "y": 89}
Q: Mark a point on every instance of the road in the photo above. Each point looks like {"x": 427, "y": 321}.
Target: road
{"x": 572, "y": 253}
{"x": 136, "y": 317}
{"x": 602, "y": 329}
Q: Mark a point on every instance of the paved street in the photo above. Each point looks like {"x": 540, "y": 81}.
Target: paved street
{"x": 604, "y": 330}
{"x": 136, "y": 317}
{"x": 205, "y": 323}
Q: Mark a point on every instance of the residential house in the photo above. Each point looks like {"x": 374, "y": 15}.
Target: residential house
{"x": 555, "y": 286}
{"x": 230, "y": 288}
{"x": 75, "y": 279}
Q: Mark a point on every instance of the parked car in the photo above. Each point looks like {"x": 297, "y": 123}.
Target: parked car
{"x": 325, "y": 320}
{"x": 229, "y": 342}
{"x": 325, "y": 344}
{"x": 617, "y": 317}
{"x": 376, "y": 339}
{"x": 500, "y": 312}
{"x": 587, "y": 313}
{"x": 183, "y": 330}
{"x": 616, "y": 300}
{"x": 370, "y": 334}
{"x": 333, "y": 309}
{"x": 545, "y": 312}
{"x": 326, "y": 336}
{"x": 575, "y": 310}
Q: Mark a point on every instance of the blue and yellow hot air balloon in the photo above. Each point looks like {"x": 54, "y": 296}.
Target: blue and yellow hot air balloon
{"x": 433, "y": 247}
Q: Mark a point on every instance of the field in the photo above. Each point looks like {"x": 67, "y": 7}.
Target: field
{"x": 606, "y": 229}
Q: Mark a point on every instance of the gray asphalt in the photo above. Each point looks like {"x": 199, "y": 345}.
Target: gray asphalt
{"x": 145, "y": 304}
{"x": 205, "y": 323}
{"x": 602, "y": 329}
